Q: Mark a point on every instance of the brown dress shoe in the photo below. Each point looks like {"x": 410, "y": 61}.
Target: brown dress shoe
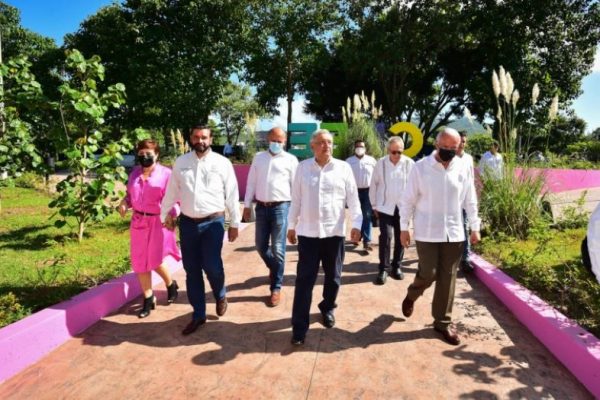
{"x": 408, "y": 306}
{"x": 275, "y": 298}
{"x": 192, "y": 326}
{"x": 222, "y": 306}
{"x": 450, "y": 335}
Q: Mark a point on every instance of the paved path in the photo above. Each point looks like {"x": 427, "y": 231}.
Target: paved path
{"x": 372, "y": 353}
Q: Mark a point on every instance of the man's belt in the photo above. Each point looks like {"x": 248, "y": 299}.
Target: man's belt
{"x": 204, "y": 219}
{"x": 145, "y": 214}
{"x": 270, "y": 203}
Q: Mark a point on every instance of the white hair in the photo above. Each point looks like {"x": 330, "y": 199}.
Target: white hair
{"x": 447, "y": 132}
{"x": 395, "y": 139}
{"x": 319, "y": 132}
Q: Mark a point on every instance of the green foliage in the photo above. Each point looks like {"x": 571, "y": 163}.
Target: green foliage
{"x": 574, "y": 216}
{"x": 234, "y": 104}
{"x": 512, "y": 205}
{"x": 363, "y": 129}
{"x": 585, "y": 149}
{"x": 479, "y": 143}
{"x": 287, "y": 37}
{"x": 87, "y": 192}
{"x": 43, "y": 264}
{"x": 29, "y": 180}
{"x": 17, "y": 152}
{"x": 173, "y": 56}
{"x": 550, "y": 265}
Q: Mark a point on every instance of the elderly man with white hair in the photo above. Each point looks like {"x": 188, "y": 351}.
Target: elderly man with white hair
{"x": 439, "y": 187}
{"x": 322, "y": 188}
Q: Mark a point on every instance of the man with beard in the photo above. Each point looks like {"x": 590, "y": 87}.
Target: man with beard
{"x": 204, "y": 184}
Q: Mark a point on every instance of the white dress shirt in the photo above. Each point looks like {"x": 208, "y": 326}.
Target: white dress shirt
{"x": 203, "y": 186}
{"x": 593, "y": 241}
{"x": 491, "y": 164}
{"x": 270, "y": 177}
{"x": 468, "y": 159}
{"x": 435, "y": 197}
{"x": 389, "y": 182}
{"x": 362, "y": 168}
{"x": 319, "y": 198}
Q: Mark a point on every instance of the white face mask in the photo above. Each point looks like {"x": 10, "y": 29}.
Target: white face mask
{"x": 360, "y": 151}
{"x": 275, "y": 147}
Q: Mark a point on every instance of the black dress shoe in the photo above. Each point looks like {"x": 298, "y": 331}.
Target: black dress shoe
{"x": 328, "y": 319}
{"x": 172, "y": 292}
{"x": 408, "y": 306}
{"x": 381, "y": 278}
{"x": 450, "y": 335}
{"x": 397, "y": 274}
{"x": 297, "y": 341}
{"x": 193, "y": 326}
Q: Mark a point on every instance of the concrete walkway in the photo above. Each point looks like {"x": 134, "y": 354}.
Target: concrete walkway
{"x": 372, "y": 352}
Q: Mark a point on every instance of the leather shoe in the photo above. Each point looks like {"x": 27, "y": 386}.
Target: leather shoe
{"x": 397, "y": 274}
{"x": 367, "y": 247}
{"x": 297, "y": 341}
{"x": 275, "y": 298}
{"x": 192, "y": 326}
{"x": 450, "y": 335}
{"x": 222, "y": 306}
{"x": 381, "y": 278}
{"x": 328, "y": 319}
{"x": 408, "y": 306}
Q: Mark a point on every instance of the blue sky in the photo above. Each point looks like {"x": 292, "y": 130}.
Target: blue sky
{"x": 55, "y": 18}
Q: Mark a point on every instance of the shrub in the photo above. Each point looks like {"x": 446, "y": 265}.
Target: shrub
{"x": 479, "y": 143}
{"x": 512, "y": 205}
{"x": 29, "y": 180}
{"x": 362, "y": 129}
{"x": 10, "y": 309}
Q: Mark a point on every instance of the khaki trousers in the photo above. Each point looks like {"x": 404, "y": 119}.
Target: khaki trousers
{"x": 438, "y": 263}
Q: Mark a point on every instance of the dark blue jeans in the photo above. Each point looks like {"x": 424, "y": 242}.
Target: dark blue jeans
{"x": 367, "y": 213}
{"x": 312, "y": 252}
{"x": 467, "y": 247}
{"x": 271, "y": 223}
{"x": 201, "y": 245}
{"x": 389, "y": 225}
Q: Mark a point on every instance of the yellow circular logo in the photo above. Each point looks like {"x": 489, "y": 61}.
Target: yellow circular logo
{"x": 414, "y": 132}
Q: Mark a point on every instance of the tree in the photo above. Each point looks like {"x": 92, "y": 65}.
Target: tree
{"x": 87, "y": 192}
{"x": 288, "y": 35}
{"x": 234, "y": 104}
{"x": 173, "y": 56}
{"x": 564, "y": 131}
{"x": 428, "y": 60}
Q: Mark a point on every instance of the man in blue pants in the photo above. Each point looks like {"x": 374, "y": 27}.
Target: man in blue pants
{"x": 322, "y": 187}
{"x": 204, "y": 183}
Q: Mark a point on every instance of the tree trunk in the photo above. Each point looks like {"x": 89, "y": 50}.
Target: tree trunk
{"x": 290, "y": 92}
{"x": 80, "y": 233}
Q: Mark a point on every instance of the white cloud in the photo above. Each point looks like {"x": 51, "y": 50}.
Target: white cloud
{"x": 298, "y": 114}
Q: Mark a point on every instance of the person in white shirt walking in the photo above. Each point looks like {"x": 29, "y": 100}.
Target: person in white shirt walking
{"x": 270, "y": 182}
{"x": 204, "y": 184}
{"x": 322, "y": 188}
{"x": 362, "y": 166}
{"x": 491, "y": 164}
{"x": 438, "y": 188}
{"x": 387, "y": 186}
{"x": 465, "y": 262}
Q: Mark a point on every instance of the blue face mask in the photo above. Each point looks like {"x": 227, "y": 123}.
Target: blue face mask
{"x": 275, "y": 147}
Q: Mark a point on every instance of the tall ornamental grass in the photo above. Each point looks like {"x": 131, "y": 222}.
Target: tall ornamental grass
{"x": 512, "y": 205}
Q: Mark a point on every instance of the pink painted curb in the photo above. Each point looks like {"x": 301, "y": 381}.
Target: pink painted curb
{"x": 575, "y": 347}
{"x": 25, "y": 342}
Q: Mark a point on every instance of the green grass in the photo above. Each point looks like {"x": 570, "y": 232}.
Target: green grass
{"x": 41, "y": 265}
{"x": 550, "y": 265}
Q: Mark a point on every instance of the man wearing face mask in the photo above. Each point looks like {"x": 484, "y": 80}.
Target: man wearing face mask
{"x": 389, "y": 181}
{"x": 204, "y": 183}
{"x": 439, "y": 187}
{"x": 362, "y": 166}
{"x": 270, "y": 183}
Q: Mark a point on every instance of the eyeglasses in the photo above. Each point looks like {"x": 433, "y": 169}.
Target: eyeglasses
{"x": 396, "y": 153}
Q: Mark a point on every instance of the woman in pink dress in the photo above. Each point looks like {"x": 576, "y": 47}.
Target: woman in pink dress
{"x": 151, "y": 243}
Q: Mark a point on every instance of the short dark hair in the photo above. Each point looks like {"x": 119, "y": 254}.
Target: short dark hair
{"x": 495, "y": 143}
{"x": 148, "y": 144}
{"x": 200, "y": 127}
{"x": 357, "y": 141}
{"x": 462, "y": 133}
